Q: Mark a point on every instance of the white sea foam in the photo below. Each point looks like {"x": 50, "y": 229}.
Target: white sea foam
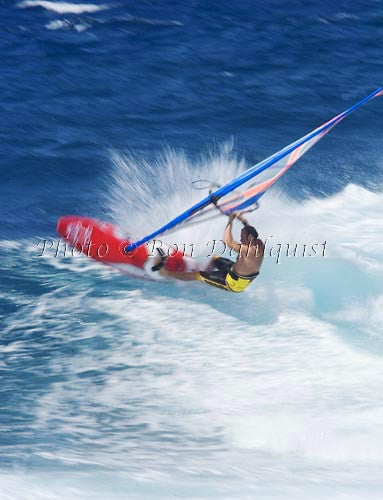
{"x": 80, "y": 27}
{"x": 289, "y": 387}
{"x": 131, "y": 190}
{"x": 58, "y": 24}
{"x": 366, "y": 315}
{"x": 235, "y": 392}
{"x": 64, "y": 7}
{"x": 65, "y": 24}
{"x": 10, "y": 244}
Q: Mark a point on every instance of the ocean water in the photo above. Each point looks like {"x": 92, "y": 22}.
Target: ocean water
{"x": 118, "y": 388}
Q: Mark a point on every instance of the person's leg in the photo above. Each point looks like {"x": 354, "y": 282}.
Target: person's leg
{"x": 213, "y": 278}
{"x": 183, "y": 276}
{"x": 211, "y": 264}
{"x": 218, "y": 263}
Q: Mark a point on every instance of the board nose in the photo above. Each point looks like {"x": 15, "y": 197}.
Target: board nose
{"x": 62, "y": 225}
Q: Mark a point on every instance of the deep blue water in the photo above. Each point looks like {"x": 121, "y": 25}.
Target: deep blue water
{"x": 161, "y": 389}
{"x": 147, "y": 75}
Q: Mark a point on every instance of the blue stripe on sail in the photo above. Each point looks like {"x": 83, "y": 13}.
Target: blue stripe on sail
{"x": 247, "y": 203}
{"x": 251, "y": 172}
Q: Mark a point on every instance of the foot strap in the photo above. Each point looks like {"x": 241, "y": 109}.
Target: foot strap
{"x": 161, "y": 263}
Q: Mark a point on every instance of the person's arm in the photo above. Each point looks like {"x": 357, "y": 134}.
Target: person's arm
{"x": 228, "y": 235}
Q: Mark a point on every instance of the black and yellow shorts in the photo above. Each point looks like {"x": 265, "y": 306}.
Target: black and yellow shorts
{"x": 223, "y": 276}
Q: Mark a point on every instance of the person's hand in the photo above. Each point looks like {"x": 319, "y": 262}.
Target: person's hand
{"x": 240, "y": 217}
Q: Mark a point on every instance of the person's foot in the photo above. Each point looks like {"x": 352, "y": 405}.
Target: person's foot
{"x": 162, "y": 259}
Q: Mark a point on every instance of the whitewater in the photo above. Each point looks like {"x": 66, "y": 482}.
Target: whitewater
{"x": 154, "y": 389}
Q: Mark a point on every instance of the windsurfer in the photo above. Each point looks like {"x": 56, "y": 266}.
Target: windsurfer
{"x": 224, "y": 273}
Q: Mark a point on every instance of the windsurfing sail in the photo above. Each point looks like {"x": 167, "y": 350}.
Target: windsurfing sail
{"x": 258, "y": 179}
